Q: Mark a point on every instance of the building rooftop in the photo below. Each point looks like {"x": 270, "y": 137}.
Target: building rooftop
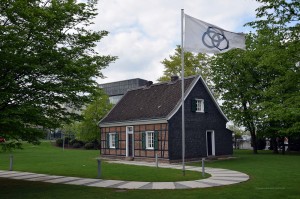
{"x": 148, "y": 102}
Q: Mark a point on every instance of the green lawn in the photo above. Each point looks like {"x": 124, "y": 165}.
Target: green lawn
{"x": 271, "y": 176}
{"x": 49, "y": 159}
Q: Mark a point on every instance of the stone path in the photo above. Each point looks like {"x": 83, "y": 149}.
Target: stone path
{"x": 219, "y": 177}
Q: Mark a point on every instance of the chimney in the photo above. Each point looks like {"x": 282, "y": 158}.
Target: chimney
{"x": 149, "y": 83}
{"x": 174, "y": 78}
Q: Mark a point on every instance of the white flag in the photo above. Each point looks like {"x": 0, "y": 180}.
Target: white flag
{"x": 203, "y": 37}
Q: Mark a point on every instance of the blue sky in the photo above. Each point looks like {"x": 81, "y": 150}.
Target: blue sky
{"x": 143, "y": 33}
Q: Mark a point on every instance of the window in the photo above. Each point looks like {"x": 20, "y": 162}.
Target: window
{"x": 198, "y": 105}
{"x": 112, "y": 140}
{"x": 150, "y": 140}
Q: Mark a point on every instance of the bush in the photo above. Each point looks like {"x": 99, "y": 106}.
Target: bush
{"x": 89, "y": 146}
{"x": 59, "y": 142}
{"x": 67, "y": 139}
{"x": 76, "y": 145}
{"x": 82, "y": 143}
{"x": 72, "y": 142}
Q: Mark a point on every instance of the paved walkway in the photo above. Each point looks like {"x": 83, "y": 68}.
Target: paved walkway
{"x": 219, "y": 177}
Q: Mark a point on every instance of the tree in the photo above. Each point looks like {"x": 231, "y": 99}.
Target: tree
{"x": 88, "y": 128}
{"x": 260, "y": 87}
{"x": 238, "y": 83}
{"x": 47, "y": 64}
{"x": 193, "y": 64}
{"x": 278, "y": 38}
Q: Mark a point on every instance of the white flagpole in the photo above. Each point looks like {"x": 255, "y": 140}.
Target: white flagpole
{"x": 182, "y": 92}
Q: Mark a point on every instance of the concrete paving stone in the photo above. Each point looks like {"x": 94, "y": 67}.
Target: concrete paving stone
{"x": 216, "y": 182}
{"x": 62, "y": 180}
{"x": 180, "y": 186}
{"x": 105, "y": 183}
{"x": 194, "y": 184}
{"x": 163, "y": 185}
{"x": 229, "y": 179}
{"x": 8, "y": 175}
{"x": 228, "y": 175}
{"x": 133, "y": 185}
{"x": 215, "y": 170}
{"x": 117, "y": 185}
{"x": 224, "y": 171}
{"x": 24, "y": 177}
{"x": 44, "y": 178}
{"x": 83, "y": 181}
{"x": 147, "y": 186}
{"x": 8, "y": 172}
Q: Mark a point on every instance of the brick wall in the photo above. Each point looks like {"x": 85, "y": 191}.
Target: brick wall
{"x": 162, "y": 150}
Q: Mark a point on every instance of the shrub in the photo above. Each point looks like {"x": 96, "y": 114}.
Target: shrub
{"x": 82, "y": 143}
{"x": 59, "y": 142}
{"x": 76, "y": 145}
{"x": 73, "y": 141}
{"x": 67, "y": 139}
{"x": 89, "y": 146}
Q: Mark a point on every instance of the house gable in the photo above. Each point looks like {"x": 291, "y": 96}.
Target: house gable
{"x": 187, "y": 93}
{"x": 196, "y": 126}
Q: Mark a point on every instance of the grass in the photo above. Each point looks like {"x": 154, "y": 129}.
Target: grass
{"x": 271, "y": 176}
{"x": 48, "y": 159}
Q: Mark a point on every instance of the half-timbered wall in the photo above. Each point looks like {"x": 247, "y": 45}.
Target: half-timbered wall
{"x": 120, "y": 150}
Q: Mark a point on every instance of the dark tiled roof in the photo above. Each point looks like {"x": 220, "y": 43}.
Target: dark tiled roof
{"x": 153, "y": 102}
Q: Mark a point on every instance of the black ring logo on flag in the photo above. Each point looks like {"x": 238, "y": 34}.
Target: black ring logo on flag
{"x": 216, "y": 39}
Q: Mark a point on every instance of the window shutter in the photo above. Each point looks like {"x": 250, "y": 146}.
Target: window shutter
{"x": 193, "y": 105}
{"x": 143, "y": 140}
{"x": 155, "y": 140}
{"x": 205, "y": 106}
{"x": 107, "y": 140}
{"x": 117, "y": 140}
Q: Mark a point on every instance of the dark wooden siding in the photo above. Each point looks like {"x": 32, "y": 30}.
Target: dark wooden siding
{"x": 196, "y": 125}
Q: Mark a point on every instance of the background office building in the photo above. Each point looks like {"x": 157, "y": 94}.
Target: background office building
{"x": 116, "y": 90}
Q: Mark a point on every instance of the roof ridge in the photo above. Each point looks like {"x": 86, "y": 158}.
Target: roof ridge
{"x": 161, "y": 83}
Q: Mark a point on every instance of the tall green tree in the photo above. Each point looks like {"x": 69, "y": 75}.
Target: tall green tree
{"x": 238, "y": 82}
{"x": 260, "y": 86}
{"x": 88, "y": 128}
{"x": 47, "y": 61}
{"x": 193, "y": 64}
{"x": 278, "y": 36}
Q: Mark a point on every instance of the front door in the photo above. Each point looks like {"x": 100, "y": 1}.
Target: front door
{"x": 210, "y": 143}
{"x": 130, "y": 145}
{"x": 129, "y": 141}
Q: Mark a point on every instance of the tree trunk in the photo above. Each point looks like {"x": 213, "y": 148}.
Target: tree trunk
{"x": 282, "y": 145}
{"x": 253, "y": 142}
{"x": 275, "y": 145}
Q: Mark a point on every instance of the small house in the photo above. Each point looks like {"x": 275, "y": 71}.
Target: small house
{"x": 147, "y": 122}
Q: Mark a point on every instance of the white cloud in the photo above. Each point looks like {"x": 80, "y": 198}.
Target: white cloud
{"x": 143, "y": 33}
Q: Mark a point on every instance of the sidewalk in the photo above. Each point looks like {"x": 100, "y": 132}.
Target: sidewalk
{"x": 219, "y": 177}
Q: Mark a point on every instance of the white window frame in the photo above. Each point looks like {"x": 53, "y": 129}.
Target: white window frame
{"x": 149, "y": 139}
{"x": 199, "y": 105}
{"x": 112, "y": 142}
{"x": 129, "y": 130}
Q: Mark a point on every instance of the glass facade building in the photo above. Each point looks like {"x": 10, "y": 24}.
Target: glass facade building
{"x": 116, "y": 90}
